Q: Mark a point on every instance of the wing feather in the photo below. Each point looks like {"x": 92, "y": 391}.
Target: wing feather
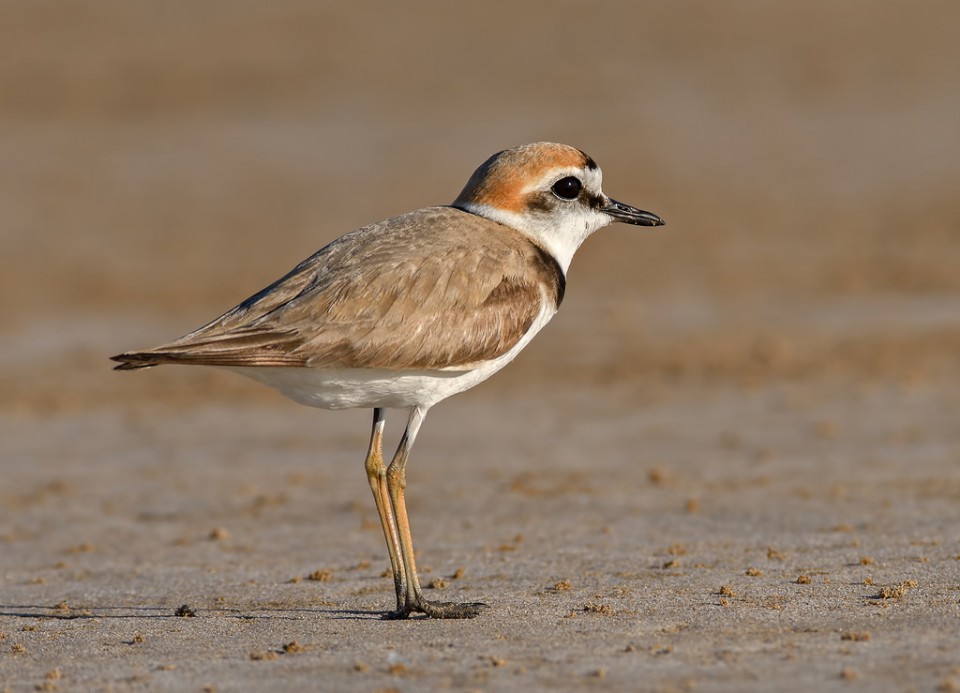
{"x": 434, "y": 289}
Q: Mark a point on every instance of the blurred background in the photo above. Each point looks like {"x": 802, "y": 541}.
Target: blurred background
{"x": 161, "y": 161}
{"x": 771, "y": 380}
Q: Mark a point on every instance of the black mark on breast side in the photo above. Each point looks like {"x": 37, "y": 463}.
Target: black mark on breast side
{"x": 550, "y": 273}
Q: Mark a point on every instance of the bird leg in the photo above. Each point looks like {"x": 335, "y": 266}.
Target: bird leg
{"x": 396, "y": 485}
{"x": 377, "y": 478}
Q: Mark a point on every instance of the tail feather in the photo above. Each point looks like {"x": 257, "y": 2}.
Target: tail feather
{"x": 146, "y": 359}
{"x": 236, "y": 348}
{"x": 133, "y": 360}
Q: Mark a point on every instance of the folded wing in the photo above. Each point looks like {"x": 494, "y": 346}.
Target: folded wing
{"x": 434, "y": 289}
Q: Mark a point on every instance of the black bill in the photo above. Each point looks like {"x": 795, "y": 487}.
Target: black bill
{"x": 630, "y": 215}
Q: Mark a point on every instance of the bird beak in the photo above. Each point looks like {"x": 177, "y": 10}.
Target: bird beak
{"x": 630, "y": 215}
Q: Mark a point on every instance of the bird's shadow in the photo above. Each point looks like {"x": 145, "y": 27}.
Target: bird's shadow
{"x": 65, "y": 613}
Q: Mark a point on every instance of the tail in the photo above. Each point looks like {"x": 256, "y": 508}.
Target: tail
{"x": 226, "y": 350}
{"x": 132, "y": 360}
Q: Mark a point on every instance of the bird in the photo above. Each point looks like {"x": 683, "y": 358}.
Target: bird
{"x": 403, "y": 313}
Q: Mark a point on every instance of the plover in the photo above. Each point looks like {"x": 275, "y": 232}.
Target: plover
{"x": 409, "y": 311}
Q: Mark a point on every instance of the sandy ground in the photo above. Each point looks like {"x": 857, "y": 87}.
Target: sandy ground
{"x": 731, "y": 463}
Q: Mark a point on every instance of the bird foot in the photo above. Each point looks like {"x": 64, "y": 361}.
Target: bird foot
{"x": 439, "y": 610}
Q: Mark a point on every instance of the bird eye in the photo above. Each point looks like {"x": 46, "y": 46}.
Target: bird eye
{"x": 567, "y": 188}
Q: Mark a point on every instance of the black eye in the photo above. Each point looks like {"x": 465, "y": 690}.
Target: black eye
{"x": 567, "y": 188}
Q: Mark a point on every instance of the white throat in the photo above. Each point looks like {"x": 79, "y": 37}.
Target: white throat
{"x": 559, "y": 237}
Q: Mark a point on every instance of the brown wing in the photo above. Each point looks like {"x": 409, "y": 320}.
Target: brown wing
{"x": 437, "y": 288}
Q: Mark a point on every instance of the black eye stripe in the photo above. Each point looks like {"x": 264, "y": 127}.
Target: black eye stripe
{"x": 567, "y": 188}
{"x": 595, "y": 201}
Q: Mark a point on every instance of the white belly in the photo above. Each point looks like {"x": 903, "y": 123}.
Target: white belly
{"x": 350, "y": 388}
